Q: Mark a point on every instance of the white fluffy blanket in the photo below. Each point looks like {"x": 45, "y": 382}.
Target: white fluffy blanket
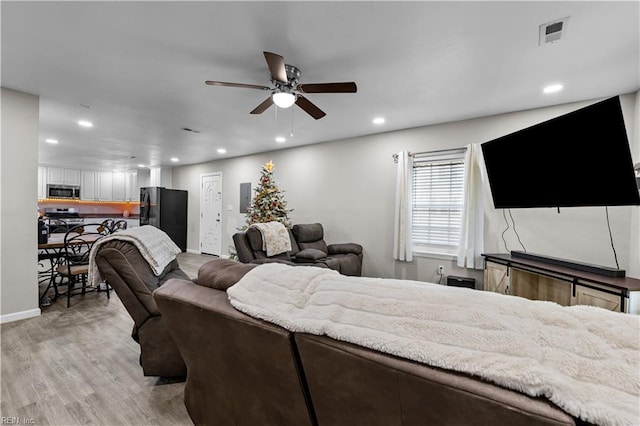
{"x": 584, "y": 359}
{"x": 275, "y": 237}
{"x": 154, "y": 245}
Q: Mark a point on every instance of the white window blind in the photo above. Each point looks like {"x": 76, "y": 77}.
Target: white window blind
{"x": 437, "y": 201}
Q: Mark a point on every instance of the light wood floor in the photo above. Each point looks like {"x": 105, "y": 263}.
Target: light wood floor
{"x": 80, "y": 366}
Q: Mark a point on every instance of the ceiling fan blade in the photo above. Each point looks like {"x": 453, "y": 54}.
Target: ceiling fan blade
{"x": 347, "y": 87}
{"x": 263, "y": 106}
{"x": 276, "y": 66}
{"x": 246, "y": 86}
{"x": 309, "y": 107}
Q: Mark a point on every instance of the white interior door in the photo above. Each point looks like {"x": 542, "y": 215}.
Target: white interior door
{"x": 211, "y": 214}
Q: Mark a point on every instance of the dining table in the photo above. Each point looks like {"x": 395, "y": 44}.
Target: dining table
{"x": 53, "y": 252}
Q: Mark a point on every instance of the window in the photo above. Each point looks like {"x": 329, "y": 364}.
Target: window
{"x": 437, "y": 201}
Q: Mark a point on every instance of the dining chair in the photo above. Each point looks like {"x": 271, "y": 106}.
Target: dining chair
{"x": 119, "y": 225}
{"x": 75, "y": 267}
{"x": 108, "y": 223}
{"x": 58, "y": 226}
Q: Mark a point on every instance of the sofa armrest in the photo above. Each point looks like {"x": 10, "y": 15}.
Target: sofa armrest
{"x": 344, "y": 248}
{"x": 222, "y": 273}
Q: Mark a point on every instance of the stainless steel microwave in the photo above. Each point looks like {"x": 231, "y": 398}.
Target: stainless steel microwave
{"x": 63, "y": 191}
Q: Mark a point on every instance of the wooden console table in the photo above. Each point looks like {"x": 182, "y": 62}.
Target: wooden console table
{"x": 504, "y": 273}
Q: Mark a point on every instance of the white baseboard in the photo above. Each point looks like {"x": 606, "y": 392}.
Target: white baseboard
{"x": 16, "y": 316}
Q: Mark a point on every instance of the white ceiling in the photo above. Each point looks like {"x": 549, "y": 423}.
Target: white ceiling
{"x": 137, "y": 70}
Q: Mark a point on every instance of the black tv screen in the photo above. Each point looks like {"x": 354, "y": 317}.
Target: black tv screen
{"x": 578, "y": 159}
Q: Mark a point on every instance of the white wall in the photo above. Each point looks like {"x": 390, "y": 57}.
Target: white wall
{"x": 18, "y": 206}
{"x": 348, "y": 186}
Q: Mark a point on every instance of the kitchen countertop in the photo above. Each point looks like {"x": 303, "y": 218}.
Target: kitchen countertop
{"x": 108, "y": 215}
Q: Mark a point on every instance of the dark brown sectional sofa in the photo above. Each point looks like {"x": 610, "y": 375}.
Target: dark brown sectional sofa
{"x": 308, "y": 248}
{"x": 244, "y": 371}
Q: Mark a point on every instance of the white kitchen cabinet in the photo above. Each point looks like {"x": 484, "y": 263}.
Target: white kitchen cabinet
{"x": 88, "y": 186}
{"x": 55, "y": 176}
{"x": 42, "y": 183}
{"x": 118, "y": 186}
{"x": 60, "y": 176}
{"x": 131, "y": 188}
{"x": 105, "y": 186}
{"x": 154, "y": 178}
{"x": 144, "y": 179}
{"x": 72, "y": 176}
{"x": 161, "y": 176}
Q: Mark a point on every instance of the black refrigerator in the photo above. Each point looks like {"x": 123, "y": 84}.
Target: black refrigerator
{"x": 165, "y": 209}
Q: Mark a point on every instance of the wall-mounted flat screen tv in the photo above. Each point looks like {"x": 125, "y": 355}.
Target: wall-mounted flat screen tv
{"x": 578, "y": 159}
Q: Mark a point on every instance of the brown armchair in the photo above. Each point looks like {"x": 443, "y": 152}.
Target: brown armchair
{"x": 124, "y": 268}
{"x": 345, "y": 258}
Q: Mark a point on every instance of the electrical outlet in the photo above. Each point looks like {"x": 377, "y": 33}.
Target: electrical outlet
{"x": 440, "y": 269}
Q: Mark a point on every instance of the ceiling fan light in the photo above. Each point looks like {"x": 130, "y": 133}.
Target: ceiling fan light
{"x": 283, "y": 99}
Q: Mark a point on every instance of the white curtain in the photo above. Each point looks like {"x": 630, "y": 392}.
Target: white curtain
{"x": 402, "y": 220}
{"x": 472, "y": 232}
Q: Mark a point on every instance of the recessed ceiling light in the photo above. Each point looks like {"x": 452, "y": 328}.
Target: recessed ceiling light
{"x": 281, "y": 139}
{"x": 222, "y": 151}
{"x": 141, "y": 165}
{"x": 378, "y": 120}
{"x": 553, "y": 88}
{"x": 51, "y": 141}
{"x": 174, "y": 159}
{"x": 85, "y": 123}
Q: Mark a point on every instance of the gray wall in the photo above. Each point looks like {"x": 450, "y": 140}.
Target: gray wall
{"x": 18, "y": 199}
{"x": 348, "y": 186}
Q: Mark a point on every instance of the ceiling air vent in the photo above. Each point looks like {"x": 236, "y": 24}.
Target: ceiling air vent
{"x": 553, "y": 31}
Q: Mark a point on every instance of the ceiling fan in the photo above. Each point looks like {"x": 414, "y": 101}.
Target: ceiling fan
{"x": 287, "y": 90}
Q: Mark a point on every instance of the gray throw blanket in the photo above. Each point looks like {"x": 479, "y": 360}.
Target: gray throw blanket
{"x": 154, "y": 245}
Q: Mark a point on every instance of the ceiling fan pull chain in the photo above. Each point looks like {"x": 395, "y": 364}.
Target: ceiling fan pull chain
{"x": 291, "y": 135}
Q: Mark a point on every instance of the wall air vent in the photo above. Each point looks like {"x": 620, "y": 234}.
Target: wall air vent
{"x": 553, "y": 31}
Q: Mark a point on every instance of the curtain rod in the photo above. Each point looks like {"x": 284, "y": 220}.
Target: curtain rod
{"x": 395, "y": 157}
{"x": 411, "y": 154}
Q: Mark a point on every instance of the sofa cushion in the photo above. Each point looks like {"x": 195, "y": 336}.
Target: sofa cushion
{"x": 255, "y": 239}
{"x": 308, "y": 232}
{"x": 311, "y": 254}
{"x": 222, "y": 273}
{"x": 310, "y": 236}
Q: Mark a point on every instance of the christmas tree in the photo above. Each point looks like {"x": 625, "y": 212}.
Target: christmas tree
{"x": 268, "y": 203}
